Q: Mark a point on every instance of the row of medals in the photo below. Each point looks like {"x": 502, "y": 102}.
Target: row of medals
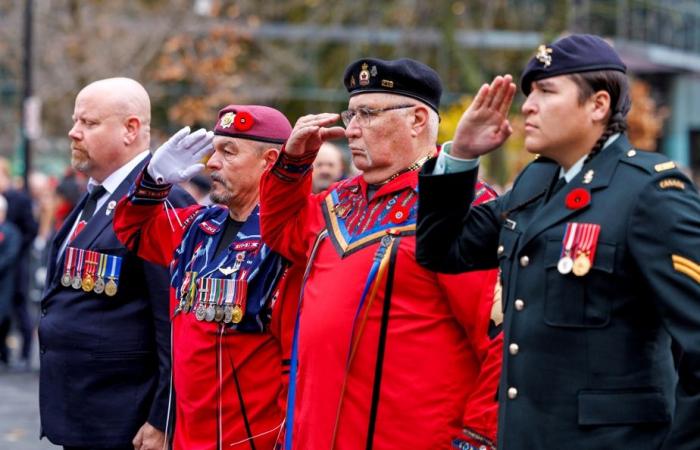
{"x": 212, "y": 312}
{"x": 88, "y": 284}
{"x": 580, "y": 266}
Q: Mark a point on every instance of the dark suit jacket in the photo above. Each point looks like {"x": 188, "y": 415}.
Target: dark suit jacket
{"x": 105, "y": 361}
{"x": 587, "y": 361}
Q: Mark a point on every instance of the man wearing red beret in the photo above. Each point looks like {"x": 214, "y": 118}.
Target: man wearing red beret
{"x": 388, "y": 355}
{"x": 228, "y": 331}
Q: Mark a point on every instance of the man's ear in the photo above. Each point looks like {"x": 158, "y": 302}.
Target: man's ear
{"x": 270, "y": 156}
{"x": 132, "y": 127}
{"x": 420, "y": 120}
{"x": 600, "y": 106}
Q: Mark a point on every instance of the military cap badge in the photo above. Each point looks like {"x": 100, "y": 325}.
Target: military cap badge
{"x": 227, "y": 120}
{"x": 364, "y": 75}
{"x": 544, "y": 55}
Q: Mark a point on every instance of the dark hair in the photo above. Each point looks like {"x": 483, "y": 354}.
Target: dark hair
{"x": 614, "y": 83}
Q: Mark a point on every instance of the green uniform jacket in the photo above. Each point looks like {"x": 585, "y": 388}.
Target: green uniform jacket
{"x": 587, "y": 360}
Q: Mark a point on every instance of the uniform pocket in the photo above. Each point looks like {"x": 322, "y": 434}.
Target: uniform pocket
{"x": 572, "y": 301}
{"x": 603, "y": 407}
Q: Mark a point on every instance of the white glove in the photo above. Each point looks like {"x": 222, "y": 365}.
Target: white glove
{"x": 180, "y": 157}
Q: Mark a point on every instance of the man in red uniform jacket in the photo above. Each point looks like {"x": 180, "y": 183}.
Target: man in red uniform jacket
{"x": 229, "y": 333}
{"x": 387, "y": 354}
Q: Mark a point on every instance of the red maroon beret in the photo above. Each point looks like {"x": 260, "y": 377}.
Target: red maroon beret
{"x": 257, "y": 123}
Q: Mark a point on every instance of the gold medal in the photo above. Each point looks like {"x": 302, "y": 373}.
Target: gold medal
{"x": 111, "y": 287}
{"x": 99, "y": 286}
{"x": 87, "y": 283}
{"x": 236, "y": 314}
{"x": 582, "y": 265}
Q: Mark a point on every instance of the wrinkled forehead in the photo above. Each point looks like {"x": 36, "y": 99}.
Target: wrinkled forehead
{"x": 376, "y": 100}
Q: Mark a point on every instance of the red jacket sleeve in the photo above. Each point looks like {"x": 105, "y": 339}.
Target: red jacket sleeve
{"x": 290, "y": 216}
{"x": 144, "y": 224}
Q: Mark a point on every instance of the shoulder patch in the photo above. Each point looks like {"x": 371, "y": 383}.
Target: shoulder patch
{"x": 668, "y": 165}
{"x": 672, "y": 183}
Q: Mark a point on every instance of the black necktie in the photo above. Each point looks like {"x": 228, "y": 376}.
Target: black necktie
{"x": 91, "y": 203}
{"x": 88, "y": 209}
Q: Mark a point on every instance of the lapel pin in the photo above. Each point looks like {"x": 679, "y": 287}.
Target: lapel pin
{"x": 110, "y": 206}
{"x": 588, "y": 177}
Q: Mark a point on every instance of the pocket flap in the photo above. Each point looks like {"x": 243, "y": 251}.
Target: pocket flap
{"x": 622, "y": 407}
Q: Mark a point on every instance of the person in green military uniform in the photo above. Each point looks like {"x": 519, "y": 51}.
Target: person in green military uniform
{"x": 598, "y": 245}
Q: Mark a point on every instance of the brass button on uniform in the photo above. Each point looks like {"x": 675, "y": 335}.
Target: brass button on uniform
{"x": 512, "y": 393}
{"x": 631, "y": 153}
{"x": 500, "y": 250}
{"x": 524, "y": 261}
{"x": 519, "y": 304}
{"x": 513, "y": 349}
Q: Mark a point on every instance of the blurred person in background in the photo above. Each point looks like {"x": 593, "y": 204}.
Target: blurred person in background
{"x": 198, "y": 187}
{"x": 328, "y": 167}
{"x": 10, "y": 243}
{"x": 19, "y": 213}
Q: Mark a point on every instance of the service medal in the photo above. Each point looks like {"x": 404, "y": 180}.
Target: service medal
{"x": 228, "y": 314}
{"x": 111, "y": 288}
{"x": 210, "y": 313}
{"x": 199, "y": 312}
{"x": 565, "y": 265}
{"x": 237, "y": 314}
{"x": 582, "y": 265}
{"x": 77, "y": 282}
{"x": 65, "y": 279}
{"x": 99, "y": 286}
{"x": 218, "y": 313}
{"x": 87, "y": 283}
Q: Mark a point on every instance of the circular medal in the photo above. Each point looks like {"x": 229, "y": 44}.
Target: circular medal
{"x": 199, "y": 312}
{"x": 565, "y": 265}
{"x": 88, "y": 283}
{"x": 228, "y": 313}
{"x": 210, "y": 313}
{"x": 99, "y": 286}
{"x": 219, "y": 313}
{"x": 76, "y": 283}
{"x": 237, "y": 314}
{"x": 65, "y": 280}
{"x": 582, "y": 265}
{"x": 111, "y": 288}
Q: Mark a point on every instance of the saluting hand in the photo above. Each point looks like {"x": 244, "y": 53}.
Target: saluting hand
{"x": 484, "y": 125}
{"x": 149, "y": 438}
{"x": 181, "y": 157}
{"x": 311, "y": 131}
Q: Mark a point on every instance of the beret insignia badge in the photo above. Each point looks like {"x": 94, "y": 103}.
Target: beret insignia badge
{"x": 227, "y": 120}
{"x": 364, "y": 75}
{"x": 544, "y": 55}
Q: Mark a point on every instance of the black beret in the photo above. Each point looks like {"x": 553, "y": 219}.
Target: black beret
{"x": 401, "y": 76}
{"x": 572, "y": 54}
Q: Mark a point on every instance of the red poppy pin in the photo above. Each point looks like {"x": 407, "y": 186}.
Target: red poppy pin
{"x": 578, "y": 198}
{"x": 243, "y": 121}
{"x": 399, "y": 214}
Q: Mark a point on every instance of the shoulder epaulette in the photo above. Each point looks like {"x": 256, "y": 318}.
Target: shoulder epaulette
{"x": 650, "y": 162}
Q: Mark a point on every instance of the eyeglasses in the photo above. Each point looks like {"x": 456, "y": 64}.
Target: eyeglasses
{"x": 364, "y": 115}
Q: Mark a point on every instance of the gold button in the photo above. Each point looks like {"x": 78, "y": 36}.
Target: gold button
{"x": 501, "y": 249}
{"x": 631, "y": 153}
{"x": 513, "y": 348}
{"x": 512, "y": 393}
{"x": 524, "y": 261}
{"x": 519, "y": 304}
